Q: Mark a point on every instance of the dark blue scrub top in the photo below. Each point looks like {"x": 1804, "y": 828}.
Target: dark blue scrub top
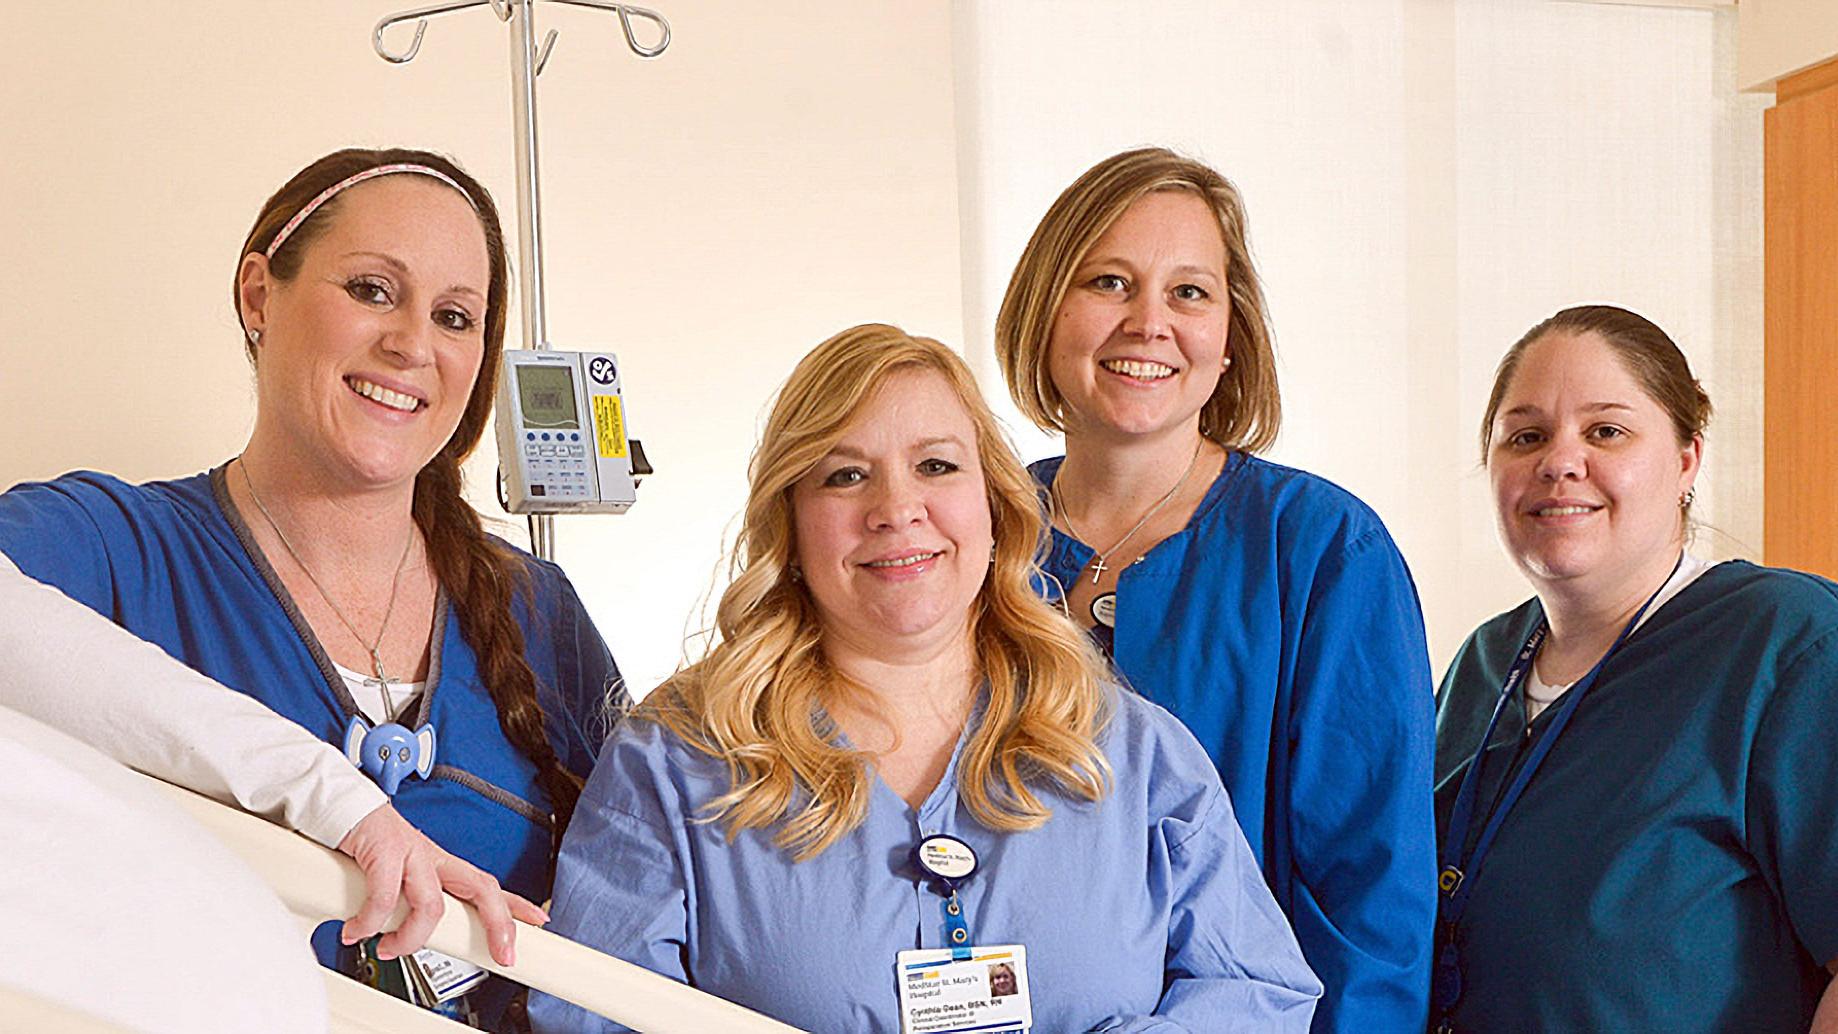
{"x": 172, "y": 562}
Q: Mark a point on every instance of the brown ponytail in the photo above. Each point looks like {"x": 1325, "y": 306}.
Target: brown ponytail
{"x": 480, "y": 575}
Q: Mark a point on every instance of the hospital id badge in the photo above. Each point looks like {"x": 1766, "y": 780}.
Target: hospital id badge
{"x": 986, "y": 993}
{"x": 447, "y": 977}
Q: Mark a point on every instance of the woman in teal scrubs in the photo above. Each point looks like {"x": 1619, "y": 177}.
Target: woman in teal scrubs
{"x": 1635, "y": 775}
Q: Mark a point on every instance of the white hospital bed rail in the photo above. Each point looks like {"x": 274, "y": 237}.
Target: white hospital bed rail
{"x": 316, "y": 884}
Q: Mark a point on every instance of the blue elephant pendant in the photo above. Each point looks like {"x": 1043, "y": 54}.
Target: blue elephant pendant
{"x": 389, "y": 752}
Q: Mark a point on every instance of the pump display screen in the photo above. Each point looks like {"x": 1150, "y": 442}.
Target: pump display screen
{"x": 546, "y": 394}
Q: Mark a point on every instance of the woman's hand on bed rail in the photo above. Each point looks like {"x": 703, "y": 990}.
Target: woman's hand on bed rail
{"x": 399, "y": 860}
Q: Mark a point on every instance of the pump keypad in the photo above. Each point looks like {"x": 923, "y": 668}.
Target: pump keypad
{"x": 558, "y": 465}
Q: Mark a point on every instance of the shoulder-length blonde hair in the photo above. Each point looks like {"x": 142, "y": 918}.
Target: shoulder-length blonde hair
{"x": 1245, "y": 409}
{"x": 755, "y": 700}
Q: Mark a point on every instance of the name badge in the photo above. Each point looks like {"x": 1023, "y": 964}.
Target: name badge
{"x": 986, "y": 993}
{"x": 447, "y": 977}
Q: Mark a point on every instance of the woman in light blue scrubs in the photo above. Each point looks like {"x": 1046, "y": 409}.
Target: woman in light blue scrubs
{"x": 899, "y": 792}
{"x": 1267, "y": 608}
{"x": 1636, "y": 773}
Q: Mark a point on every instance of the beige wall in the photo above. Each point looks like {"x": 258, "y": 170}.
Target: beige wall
{"x": 777, "y": 175}
{"x": 1781, "y": 37}
{"x": 1425, "y": 180}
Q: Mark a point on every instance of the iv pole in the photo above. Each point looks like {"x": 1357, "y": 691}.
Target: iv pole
{"x": 529, "y": 216}
{"x": 527, "y": 62}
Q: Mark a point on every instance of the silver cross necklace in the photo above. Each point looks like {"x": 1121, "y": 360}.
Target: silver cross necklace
{"x": 373, "y": 647}
{"x": 1101, "y": 560}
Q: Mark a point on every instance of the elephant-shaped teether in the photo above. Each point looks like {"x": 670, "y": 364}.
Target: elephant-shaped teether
{"x": 389, "y": 752}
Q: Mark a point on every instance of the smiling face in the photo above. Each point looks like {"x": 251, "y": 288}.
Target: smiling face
{"x": 893, "y": 530}
{"x": 369, "y": 353}
{"x": 1139, "y": 341}
{"x": 1587, "y": 468}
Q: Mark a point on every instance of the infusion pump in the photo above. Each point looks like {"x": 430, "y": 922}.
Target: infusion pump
{"x": 562, "y": 445}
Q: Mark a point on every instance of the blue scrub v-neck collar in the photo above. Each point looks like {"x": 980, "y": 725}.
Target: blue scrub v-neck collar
{"x": 1077, "y": 555}
{"x": 941, "y": 794}
{"x": 220, "y": 495}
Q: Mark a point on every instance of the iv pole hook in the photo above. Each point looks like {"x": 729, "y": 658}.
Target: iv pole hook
{"x": 626, "y": 13}
{"x": 420, "y": 17}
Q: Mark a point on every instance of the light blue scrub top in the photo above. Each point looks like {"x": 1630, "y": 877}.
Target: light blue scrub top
{"x": 1144, "y": 912}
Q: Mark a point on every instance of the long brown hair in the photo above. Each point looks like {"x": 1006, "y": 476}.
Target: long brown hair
{"x": 478, "y": 572}
{"x": 752, "y": 700}
{"x": 1245, "y": 409}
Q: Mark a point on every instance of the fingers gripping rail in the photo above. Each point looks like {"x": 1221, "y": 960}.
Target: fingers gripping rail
{"x": 319, "y": 884}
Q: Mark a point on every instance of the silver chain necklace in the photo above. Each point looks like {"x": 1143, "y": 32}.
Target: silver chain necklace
{"x": 1099, "y": 563}
{"x": 374, "y": 646}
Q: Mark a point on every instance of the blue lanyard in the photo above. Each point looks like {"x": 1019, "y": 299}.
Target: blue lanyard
{"x": 1457, "y": 869}
{"x": 1456, "y": 880}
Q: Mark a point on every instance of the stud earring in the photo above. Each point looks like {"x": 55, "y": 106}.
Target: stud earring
{"x": 794, "y": 572}
{"x": 1690, "y": 496}
{"x": 255, "y": 337}
{"x": 1225, "y": 364}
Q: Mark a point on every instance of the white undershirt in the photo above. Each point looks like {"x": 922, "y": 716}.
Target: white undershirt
{"x": 369, "y": 694}
{"x": 1540, "y": 694}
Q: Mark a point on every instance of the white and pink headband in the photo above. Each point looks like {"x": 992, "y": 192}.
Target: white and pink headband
{"x": 351, "y": 181}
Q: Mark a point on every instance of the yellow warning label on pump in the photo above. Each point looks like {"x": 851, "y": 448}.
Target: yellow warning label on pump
{"x": 609, "y": 427}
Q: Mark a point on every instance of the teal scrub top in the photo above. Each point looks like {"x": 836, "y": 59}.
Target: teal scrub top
{"x": 1673, "y": 866}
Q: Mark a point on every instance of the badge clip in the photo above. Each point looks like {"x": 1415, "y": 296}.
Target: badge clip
{"x": 389, "y": 752}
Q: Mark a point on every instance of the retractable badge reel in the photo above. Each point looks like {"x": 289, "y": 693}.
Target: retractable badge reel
{"x": 390, "y": 753}
{"x": 949, "y": 862}
{"x": 959, "y": 988}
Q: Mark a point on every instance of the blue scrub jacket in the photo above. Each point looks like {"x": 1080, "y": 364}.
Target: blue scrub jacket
{"x": 1282, "y": 626}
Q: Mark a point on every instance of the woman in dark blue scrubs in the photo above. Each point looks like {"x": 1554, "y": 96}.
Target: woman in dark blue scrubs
{"x": 332, "y": 570}
{"x": 1635, "y": 775}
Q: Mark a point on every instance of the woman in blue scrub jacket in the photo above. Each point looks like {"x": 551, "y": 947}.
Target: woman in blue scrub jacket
{"x": 1267, "y": 608}
{"x": 897, "y": 754}
{"x": 332, "y": 569}
{"x": 1636, "y": 779}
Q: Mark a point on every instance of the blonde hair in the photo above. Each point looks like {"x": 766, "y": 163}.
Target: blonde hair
{"x": 755, "y": 698}
{"x": 1245, "y": 409}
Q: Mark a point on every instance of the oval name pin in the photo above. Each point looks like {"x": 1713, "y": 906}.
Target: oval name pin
{"x": 945, "y": 858}
{"x": 1104, "y": 610}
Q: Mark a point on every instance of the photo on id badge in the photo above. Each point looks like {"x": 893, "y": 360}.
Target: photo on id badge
{"x": 985, "y": 993}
